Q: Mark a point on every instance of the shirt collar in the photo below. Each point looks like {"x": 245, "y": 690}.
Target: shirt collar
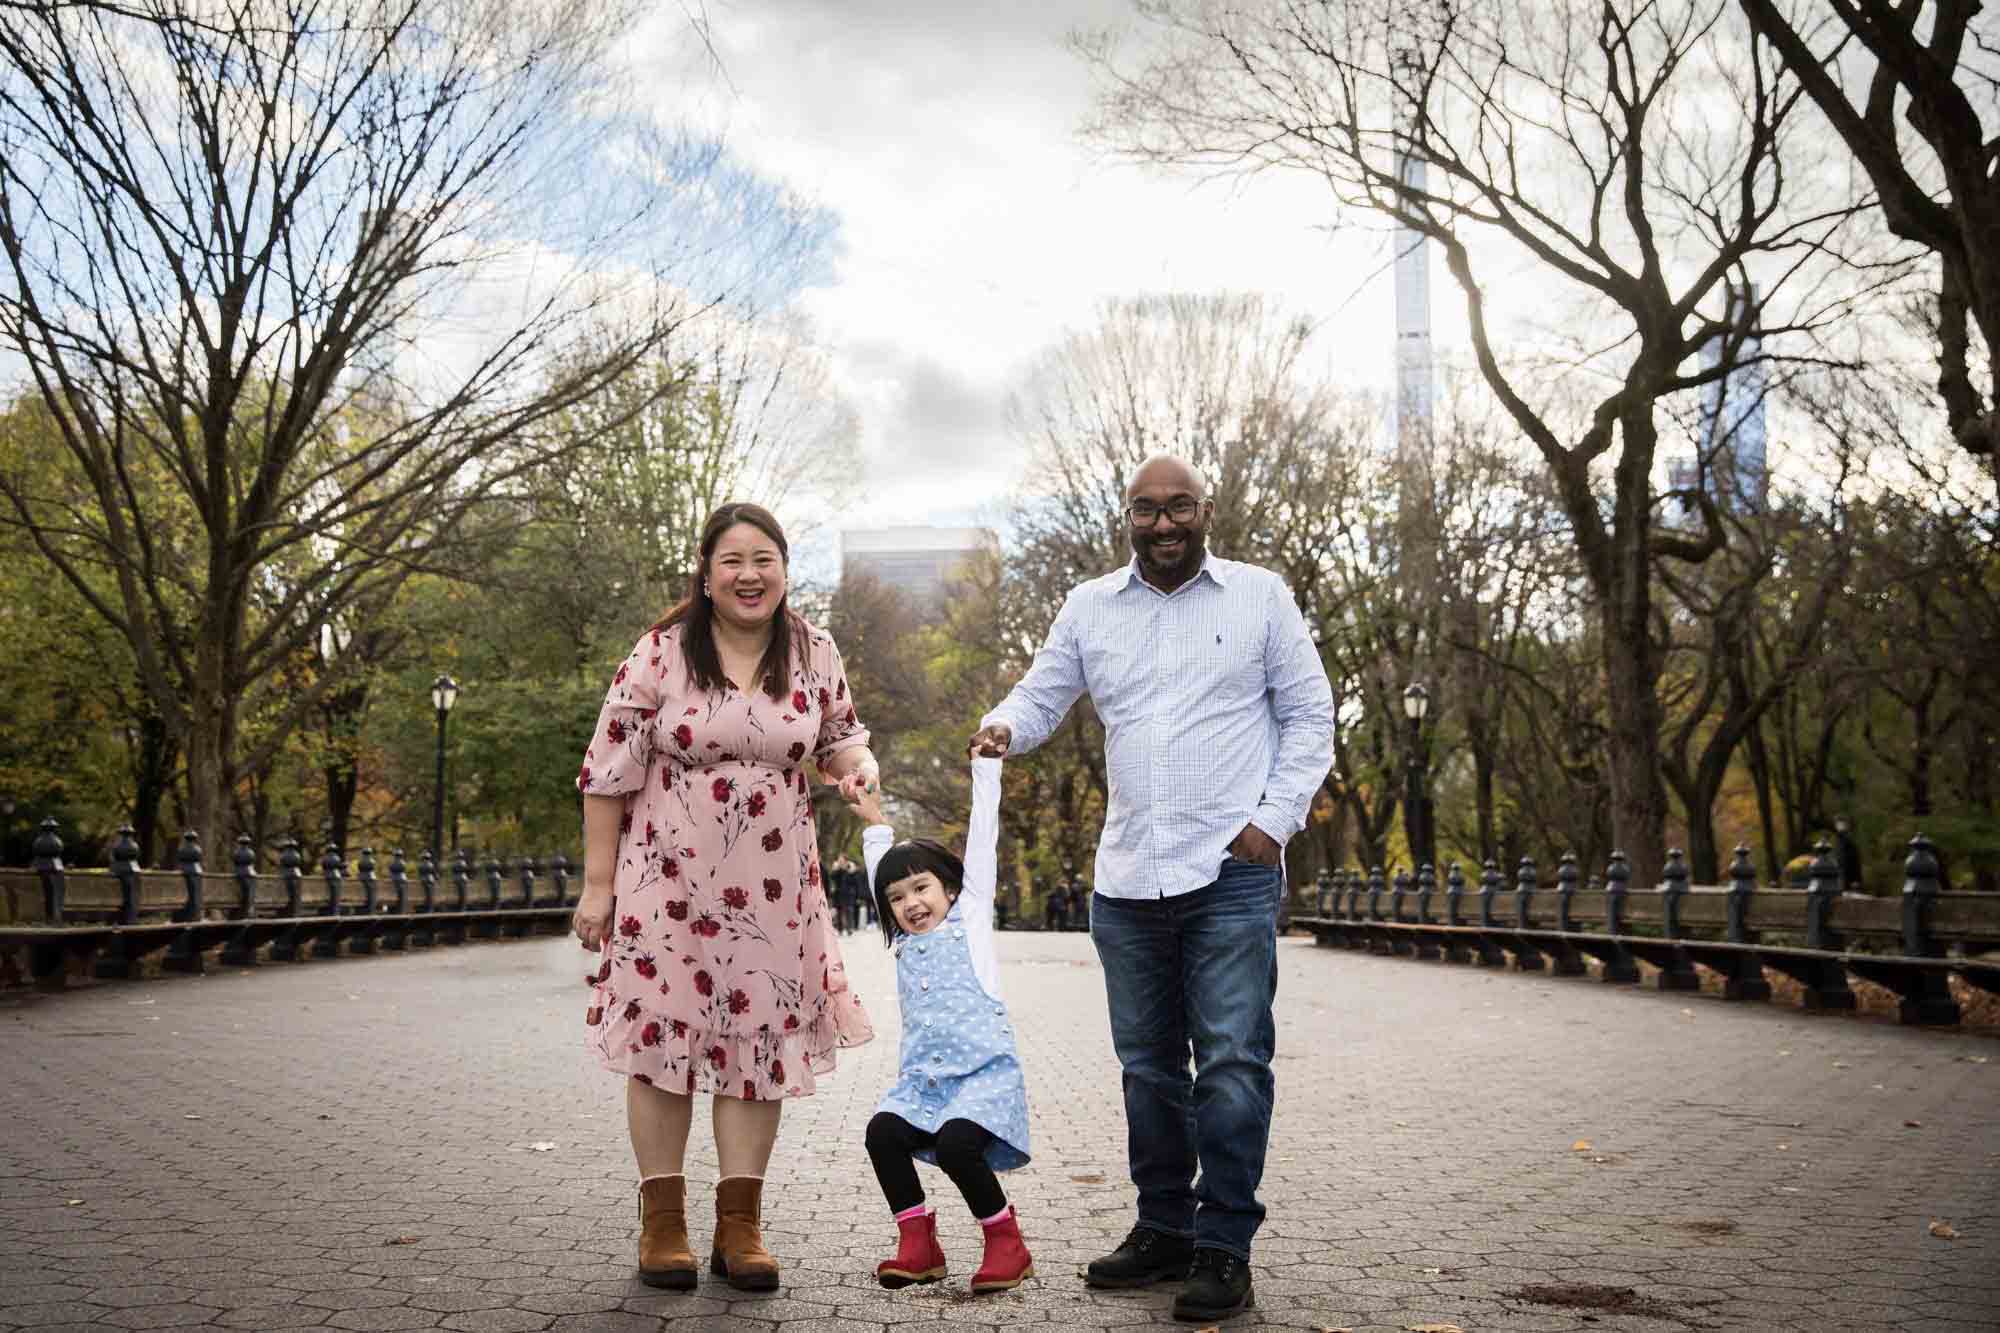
{"x": 1215, "y": 568}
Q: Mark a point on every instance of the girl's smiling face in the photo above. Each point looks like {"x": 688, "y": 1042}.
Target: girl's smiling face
{"x": 919, "y": 902}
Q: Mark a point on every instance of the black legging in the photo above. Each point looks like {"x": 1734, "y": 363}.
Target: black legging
{"x": 960, "y": 1146}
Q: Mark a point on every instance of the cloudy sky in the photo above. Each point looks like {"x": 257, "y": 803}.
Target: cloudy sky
{"x": 975, "y": 227}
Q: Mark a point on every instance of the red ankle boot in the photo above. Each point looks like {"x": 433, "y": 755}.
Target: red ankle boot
{"x": 918, "y": 1258}
{"x": 1006, "y": 1263}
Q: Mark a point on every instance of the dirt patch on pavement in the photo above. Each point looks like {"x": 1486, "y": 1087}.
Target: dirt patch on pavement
{"x": 1605, "y": 1300}
{"x": 1708, "y": 1226}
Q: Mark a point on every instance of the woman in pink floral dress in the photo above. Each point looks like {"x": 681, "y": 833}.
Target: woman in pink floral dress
{"x": 722, "y": 972}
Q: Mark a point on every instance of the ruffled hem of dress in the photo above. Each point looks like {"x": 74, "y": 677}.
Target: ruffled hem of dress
{"x": 686, "y": 1063}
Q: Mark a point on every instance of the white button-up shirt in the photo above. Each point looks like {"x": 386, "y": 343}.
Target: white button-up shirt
{"x": 1217, "y": 713}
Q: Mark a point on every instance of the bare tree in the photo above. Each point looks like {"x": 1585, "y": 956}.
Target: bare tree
{"x": 1635, "y": 158}
{"x": 304, "y": 283}
{"x": 1913, "y": 90}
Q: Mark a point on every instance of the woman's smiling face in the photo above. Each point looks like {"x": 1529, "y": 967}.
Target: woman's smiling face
{"x": 919, "y": 902}
{"x": 746, "y": 576}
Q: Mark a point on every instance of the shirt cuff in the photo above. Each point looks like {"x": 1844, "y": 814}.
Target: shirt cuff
{"x": 1275, "y": 823}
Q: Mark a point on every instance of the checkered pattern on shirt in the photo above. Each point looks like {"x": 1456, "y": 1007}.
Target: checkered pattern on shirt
{"x": 1216, "y": 712}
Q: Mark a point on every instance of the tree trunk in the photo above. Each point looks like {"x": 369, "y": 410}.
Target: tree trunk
{"x": 153, "y": 770}
{"x": 1638, "y": 794}
{"x": 1760, "y": 776}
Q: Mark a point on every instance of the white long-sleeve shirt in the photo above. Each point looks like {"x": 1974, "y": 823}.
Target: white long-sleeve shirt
{"x": 982, "y": 869}
{"x": 1217, "y": 713}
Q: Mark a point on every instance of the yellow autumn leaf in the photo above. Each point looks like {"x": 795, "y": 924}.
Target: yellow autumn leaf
{"x": 1581, "y": 1145}
{"x": 1943, "y": 1230}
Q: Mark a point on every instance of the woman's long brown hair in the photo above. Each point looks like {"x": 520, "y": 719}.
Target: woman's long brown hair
{"x": 695, "y": 613}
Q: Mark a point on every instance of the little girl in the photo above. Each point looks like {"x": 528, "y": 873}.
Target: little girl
{"x": 959, "y": 1101}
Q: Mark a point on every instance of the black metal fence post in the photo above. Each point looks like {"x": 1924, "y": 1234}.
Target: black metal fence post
{"x": 559, "y": 877}
{"x": 1454, "y": 897}
{"x": 125, "y": 868}
{"x": 399, "y": 881}
{"x": 1746, "y": 980}
{"x": 494, "y": 885}
{"x": 427, "y": 876}
{"x": 1490, "y": 953}
{"x": 333, "y": 869}
{"x": 245, "y": 861}
{"x": 1528, "y": 955}
{"x": 461, "y": 878}
{"x": 185, "y": 953}
{"x": 528, "y": 872}
{"x": 1425, "y": 946}
{"x": 240, "y": 948}
{"x": 1678, "y": 973}
{"x": 1565, "y": 959}
{"x": 289, "y": 862}
{"x": 49, "y": 868}
{"x": 1821, "y": 897}
{"x": 1377, "y": 886}
{"x": 366, "y": 940}
{"x": 1926, "y": 994}
{"x": 1620, "y": 969}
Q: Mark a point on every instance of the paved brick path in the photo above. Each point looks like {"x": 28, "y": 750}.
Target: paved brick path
{"x": 347, "y": 1145}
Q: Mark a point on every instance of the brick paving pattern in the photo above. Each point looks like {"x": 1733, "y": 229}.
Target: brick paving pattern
{"x": 349, "y": 1145}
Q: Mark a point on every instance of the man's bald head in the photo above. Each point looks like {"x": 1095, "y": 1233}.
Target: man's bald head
{"x": 1169, "y": 474}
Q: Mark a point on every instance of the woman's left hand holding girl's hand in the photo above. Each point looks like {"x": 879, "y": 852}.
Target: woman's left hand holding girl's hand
{"x": 864, "y": 781}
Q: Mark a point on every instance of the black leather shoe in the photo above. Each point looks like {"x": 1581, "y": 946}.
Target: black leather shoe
{"x": 1146, "y": 1257}
{"x": 1218, "y": 1286}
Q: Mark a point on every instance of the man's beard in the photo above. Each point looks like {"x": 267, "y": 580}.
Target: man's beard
{"x": 1194, "y": 545}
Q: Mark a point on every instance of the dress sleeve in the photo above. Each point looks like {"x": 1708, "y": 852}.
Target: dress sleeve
{"x": 621, "y": 748}
{"x": 839, "y": 728}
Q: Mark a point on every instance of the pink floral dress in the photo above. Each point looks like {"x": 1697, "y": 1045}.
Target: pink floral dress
{"x": 723, "y": 973}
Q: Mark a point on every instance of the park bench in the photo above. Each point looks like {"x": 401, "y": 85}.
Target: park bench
{"x": 60, "y": 924}
{"x": 1817, "y": 936}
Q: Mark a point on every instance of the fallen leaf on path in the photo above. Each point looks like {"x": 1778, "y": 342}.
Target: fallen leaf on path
{"x": 1088, "y": 1180}
{"x": 1913, "y": 1124}
{"x": 543, "y": 1146}
{"x": 1943, "y": 1230}
{"x": 1434, "y": 1272}
{"x": 1784, "y": 1147}
{"x": 1688, "y": 1012}
{"x": 72, "y": 1203}
{"x": 1329, "y": 1328}
{"x": 1433, "y": 1328}
{"x": 190, "y": 1117}
{"x": 1581, "y": 1145}
{"x": 402, "y": 1240}
{"x": 1840, "y": 1064}
{"x": 1972, "y": 1059}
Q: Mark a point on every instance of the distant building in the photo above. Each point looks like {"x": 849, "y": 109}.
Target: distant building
{"x": 919, "y": 562}
{"x": 1732, "y": 465}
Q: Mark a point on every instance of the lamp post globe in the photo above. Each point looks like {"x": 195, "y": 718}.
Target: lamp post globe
{"x": 444, "y": 694}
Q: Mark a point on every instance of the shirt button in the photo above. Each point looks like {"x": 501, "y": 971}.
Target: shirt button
{"x": 933, "y": 1080}
{"x": 937, "y": 1059}
{"x": 925, "y": 984}
{"x": 927, "y": 1022}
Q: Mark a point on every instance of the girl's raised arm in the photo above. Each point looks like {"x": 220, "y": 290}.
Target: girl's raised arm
{"x": 982, "y": 838}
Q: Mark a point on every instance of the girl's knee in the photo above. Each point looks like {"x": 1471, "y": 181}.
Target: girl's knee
{"x": 960, "y": 1142}
{"x": 886, "y": 1130}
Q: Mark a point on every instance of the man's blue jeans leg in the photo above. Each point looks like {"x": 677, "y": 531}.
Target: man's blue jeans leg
{"x": 1193, "y": 977}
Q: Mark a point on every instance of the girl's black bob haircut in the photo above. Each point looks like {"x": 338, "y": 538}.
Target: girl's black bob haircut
{"x": 913, "y": 857}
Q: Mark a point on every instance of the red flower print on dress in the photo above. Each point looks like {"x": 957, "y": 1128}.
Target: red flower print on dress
{"x": 677, "y": 908}
{"x": 812, "y": 873}
{"x": 650, "y": 1035}
{"x": 840, "y": 688}
{"x": 736, "y": 897}
{"x": 797, "y": 752}
{"x": 645, "y": 968}
{"x": 778, "y": 1072}
{"x": 625, "y": 821}
{"x": 644, "y": 1079}
{"x": 791, "y": 1022}
{"x": 825, "y": 699}
{"x": 614, "y": 731}
{"x": 647, "y": 714}
{"x": 739, "y": 1002}
{"x": 704, "y": 983}
{"x": 603, "y": 974}
{"x": 707, "y": 926}
{"x": 799, "y": 704}
{"x": 773, "y": 890}
{"x": 670, "y": 868}
{"x": 749, "y": 1091}
{"x": 756, "y": 805}
{"x": 583, "y": 776}
{"x": 631, "y": 1011}
{"x": 684, "y": 736}
{"x": 718, "y": 1057}
{"x": 629, "y": 927}
{"x": 720, "y": 790}
{"x": 680, "y": 1029}
{"x": 773, "y": 840}
{"x": 624, "y": 669}
{"x": 595, "y": 1016}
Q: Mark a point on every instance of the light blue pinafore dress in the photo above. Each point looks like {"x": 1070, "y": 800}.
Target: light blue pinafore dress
{"x": 958, "y": 1060}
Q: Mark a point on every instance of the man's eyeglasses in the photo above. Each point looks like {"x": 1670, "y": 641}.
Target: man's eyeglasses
{"x": 1144, "y": 513}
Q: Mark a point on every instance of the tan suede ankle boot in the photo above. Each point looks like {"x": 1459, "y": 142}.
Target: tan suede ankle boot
{"x": 739, "y": 1252}
{"x": 665, "y": 1259}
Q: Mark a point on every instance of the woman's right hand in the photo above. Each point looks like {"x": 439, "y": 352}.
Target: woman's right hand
{"x": 592, "y": 919}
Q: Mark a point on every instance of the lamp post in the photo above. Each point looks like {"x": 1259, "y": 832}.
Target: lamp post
{"x": 444, "y": 693}
{"x": 1416, "y": 821}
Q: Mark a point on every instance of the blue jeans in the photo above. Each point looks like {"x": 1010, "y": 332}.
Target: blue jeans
{"x": 1194, "y": 976}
